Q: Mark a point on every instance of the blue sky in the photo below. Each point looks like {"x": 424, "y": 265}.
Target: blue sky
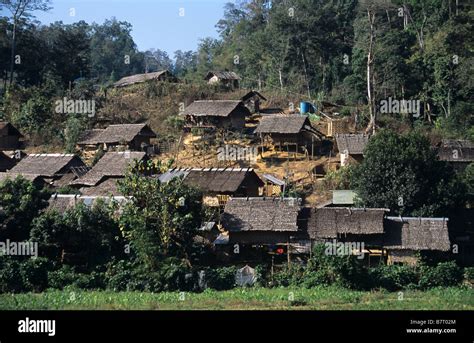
{"x": 156, "y": 23}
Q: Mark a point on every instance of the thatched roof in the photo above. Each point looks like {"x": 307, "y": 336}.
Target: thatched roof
{"x": 252, "y": 94}
{"x": 222, "y": 75}
{"x": 407, "y": 233}
{"x": 453, "y": 150}
{"x": 7, "y": 129}
{"x": 282, "y": 124}
{"x": 112, "y": 164}
{"x": 107, "y": 186}
{"x": 90, "y": 136}
{"x": 329, "y": 222}
{"x": 114, "y": 134}
{"x": 261, "y": 214}
{"x": 63, "y": 202}
{"x": 219, "y": 180}
{"x": 353, "y": 144}
{"x": 139, "y": 78}
{"x": 30, "y": 177}
{"x": 48, "y": 165}
{"x": 214, "y": 108}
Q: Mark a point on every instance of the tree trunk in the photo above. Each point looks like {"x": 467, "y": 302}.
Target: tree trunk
{"x": 306, "y": 74}
{"x": 370, "y": 60}
{"x": 280, "y": 76}
{"x": 12, "y": 58}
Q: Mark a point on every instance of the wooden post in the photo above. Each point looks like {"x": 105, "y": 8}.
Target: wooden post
{"x": 273, "y": 260}
{"x": 288, "y": 252}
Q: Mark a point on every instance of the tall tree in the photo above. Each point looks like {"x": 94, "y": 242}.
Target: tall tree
{"x": 403, "y": 173}
{"x": 20, "y": 9}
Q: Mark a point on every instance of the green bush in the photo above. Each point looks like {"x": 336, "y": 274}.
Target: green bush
{"x": 27, "y": 275}
{"x": 120, "y": 276}
{"x": 394, "y": 277}
{"x": 66, "y": 276}
{"x": 34, "y": 273}
{"x": 288, "y": 277}
{"x": 221, "y": 278}
{"x": 262, "y": 275}
{"x": 10, "y": 275}
{"x": 316, "y": 278}
{"x": 445, "y": 274}
{"x": 173, "y": 275}
{"x": 170, "y": 275}
{"x": 469, "y": 274}
{"x": 346, "y": 271}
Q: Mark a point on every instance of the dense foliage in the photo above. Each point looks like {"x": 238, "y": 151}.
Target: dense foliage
{"x": 20, "y": 202}
{"x": 402, "y": 173}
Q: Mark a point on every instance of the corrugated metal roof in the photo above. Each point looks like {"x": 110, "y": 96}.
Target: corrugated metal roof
{"x": 343, "y": 197}
{"x": 273, "y": 179}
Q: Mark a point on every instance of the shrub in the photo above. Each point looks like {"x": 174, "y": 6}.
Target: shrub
{"x": 119, "y": 275}
{"x": 173, "y": 275}
{"x": 288, "y": 277}
{"x": 445, "y": 274}
{"x": 394, "y": 277}
{"x": 66, "y": 276}
{"x": 170, "y": 275}
{"x": 10, "y": 276}
{"x": 262, "y": 275}
{"x": 34, "y": 273}
{"x": 469, "y": 274}
{"x": 345, "y": 271}
{"x": 316, "y": 278}
{"x": 221, "y": 278}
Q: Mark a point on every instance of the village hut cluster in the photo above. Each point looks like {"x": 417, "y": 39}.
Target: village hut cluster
{"x": 255, "y": 213}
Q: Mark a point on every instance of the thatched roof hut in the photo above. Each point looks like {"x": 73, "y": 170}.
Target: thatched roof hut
{"x": 132, "y": 135}
{"x": 163, "y": 75}
{"x": 226, "y": 78}
{"x": 352, "y": 144}
{"x": 253, "y": 95}
{"x": 261, "y": 214}
{"x": 332, "y": 222}
{"x": 408, "y": 233}
{"x": 261, "y": 220}
{"x": 222, "y": 75}
{"x": 56, "y": 169}
{"x": 252, "y": 101}
{"x": 457, "y": 152}
{"x": 228, "y": 114}
{"x": 288, "y": 129}
{"x": 231, "y": 181}
{"x": 101, "y": 179}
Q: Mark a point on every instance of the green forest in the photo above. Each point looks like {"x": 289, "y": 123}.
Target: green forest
{"x": 354, "y": 53}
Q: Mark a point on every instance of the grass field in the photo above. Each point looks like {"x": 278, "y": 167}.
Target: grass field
{"x": 323, "y": 298}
